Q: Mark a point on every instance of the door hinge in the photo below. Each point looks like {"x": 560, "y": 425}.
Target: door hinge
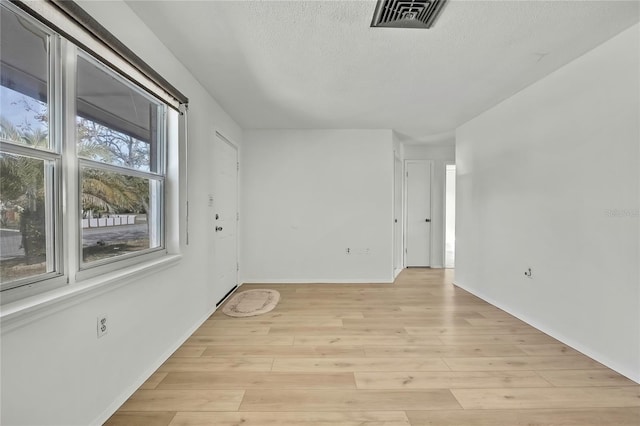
{"x": 237, "y": 216}
{"x": 238, "y": 166}
{"x": 237, "y": 267}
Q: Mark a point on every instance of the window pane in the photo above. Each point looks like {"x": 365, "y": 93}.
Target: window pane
{"x": 24, "y": 69}
{"x": 23, "y": 218}
{"x": 119, "y": 214}
{"x": 116, "y": 124}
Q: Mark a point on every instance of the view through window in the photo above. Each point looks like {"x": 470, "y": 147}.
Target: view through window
{"x": 114, "y": 190}
{"x": 119, "y": 137}
{"x": 27, "y": 157}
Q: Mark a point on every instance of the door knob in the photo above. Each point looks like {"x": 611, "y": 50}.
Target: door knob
{"x": 218, "y": 228}
{"x": 427, "y": 220}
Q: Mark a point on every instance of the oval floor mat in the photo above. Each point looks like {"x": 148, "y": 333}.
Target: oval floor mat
{"x": 251, "y": 302}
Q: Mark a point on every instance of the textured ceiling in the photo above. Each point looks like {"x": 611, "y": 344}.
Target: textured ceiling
{"x": 318, "y": 64}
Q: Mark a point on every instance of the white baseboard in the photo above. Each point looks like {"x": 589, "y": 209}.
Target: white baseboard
{"x": 316, "y": 281}
{"x": 601, "y": 358}
{"x": 113, "y": 407}
{"x": 396, "y": 273}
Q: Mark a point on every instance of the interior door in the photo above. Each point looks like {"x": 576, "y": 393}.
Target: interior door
{"x": 397, "y": 215}
{"x": 418, "y": 207}
{"x": 225, "y": 207}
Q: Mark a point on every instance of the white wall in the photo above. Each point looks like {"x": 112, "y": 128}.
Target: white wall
{"x": 310, "y": 194}
{"x": 440, "y": 152}
{"x": 440, "y": 155}
{"x": 54, "y": 369}
{"x": 398, "y": 146}
{"x": 549, "y": 179}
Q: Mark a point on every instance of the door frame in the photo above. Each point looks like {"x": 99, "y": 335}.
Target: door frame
{"x": 395, "y": 272}
{"x": 406, "y": 207}
{"x": 232, "y": 144}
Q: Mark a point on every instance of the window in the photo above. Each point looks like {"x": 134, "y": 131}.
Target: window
{"x": 111, "y": 135}
{"x": 29, "y": 157}
{"x": 120, "y": 145}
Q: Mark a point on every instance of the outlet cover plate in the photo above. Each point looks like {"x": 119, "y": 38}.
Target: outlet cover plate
{"x": 102, "y": 324}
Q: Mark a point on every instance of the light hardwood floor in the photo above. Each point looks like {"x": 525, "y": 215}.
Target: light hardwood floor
{"x": 418, "y": 352}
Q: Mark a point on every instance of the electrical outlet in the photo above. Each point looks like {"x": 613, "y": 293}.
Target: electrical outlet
{"x": 348, "y": 250}
{"x": 103, "y": 325}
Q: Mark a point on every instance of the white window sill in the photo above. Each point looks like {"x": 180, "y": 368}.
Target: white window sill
{"x": 24, "y": 311}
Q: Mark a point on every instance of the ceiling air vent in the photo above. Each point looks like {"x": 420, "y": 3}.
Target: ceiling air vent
{"x": 407, "y": 13}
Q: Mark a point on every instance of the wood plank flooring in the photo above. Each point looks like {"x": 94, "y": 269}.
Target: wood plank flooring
{"x": 418, "y": 352}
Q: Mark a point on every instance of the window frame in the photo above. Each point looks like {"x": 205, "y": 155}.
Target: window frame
{"x": 52, "y": 164}
{"x": 51, "y": 157}
{"x": 160, "y": 176}
{"x": 64, "y": 166}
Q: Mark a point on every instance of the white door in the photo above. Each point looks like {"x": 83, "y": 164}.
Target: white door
{"x": 418, "y": 205}
{"x": 225, "y": 208}
{"x": 397, "y": 216}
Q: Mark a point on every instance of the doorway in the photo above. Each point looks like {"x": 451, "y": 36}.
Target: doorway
{"x": 397, "y": 216}
{"x": 450, "y": 216}
{"x": 225, "y": 206}
{"x": 418, "y": 217}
